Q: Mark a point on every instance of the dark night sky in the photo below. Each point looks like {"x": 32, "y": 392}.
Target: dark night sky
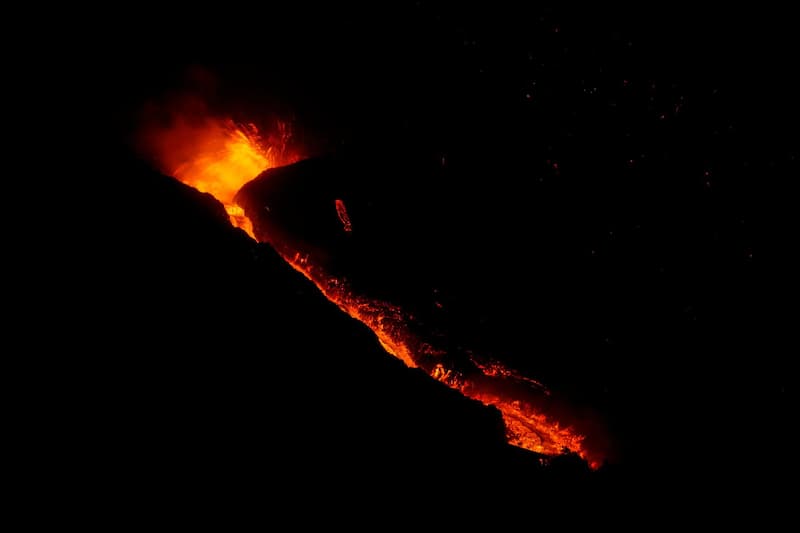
{"x": 581, "y": 189}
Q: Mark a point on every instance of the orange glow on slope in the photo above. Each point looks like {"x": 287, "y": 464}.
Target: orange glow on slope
{"x": 218, "y": 157}
{"x": 525, "y": 427}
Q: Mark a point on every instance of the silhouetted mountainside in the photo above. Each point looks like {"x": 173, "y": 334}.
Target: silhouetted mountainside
{"x": 210, "y": 370}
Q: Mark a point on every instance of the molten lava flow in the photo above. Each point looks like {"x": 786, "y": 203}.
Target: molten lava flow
{"x": 218, "y": 157}
{"x": 525, "y": 427}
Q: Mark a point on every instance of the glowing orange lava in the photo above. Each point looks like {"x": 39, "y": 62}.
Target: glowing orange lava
{"x": 219, "y": 157}
{"x": 525, "y": 427}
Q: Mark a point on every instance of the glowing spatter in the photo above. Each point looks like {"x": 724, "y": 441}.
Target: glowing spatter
{"x": 216, "y": 155}
{"x": 344, "y": 218}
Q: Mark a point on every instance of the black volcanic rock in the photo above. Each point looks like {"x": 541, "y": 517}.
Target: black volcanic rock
{"x": 216, "y": 368}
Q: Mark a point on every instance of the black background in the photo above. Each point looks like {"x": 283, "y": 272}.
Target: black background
{"x": 582, "y": 189}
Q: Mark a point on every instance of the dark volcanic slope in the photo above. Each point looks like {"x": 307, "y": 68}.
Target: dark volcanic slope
{"x": 222, "y": 373}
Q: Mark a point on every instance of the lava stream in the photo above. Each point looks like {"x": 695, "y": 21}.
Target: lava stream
{"x": 525, "y": 427}
{"x": 218, "y": 157}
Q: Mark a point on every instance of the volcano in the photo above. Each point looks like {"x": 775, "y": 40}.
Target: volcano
{"x": 244, "y": 371}
{"x": 558, "y": 212}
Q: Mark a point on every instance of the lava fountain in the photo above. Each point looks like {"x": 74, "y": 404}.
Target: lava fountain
{"x": 217, "y": 156}
{"x": 221, "y": 157}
